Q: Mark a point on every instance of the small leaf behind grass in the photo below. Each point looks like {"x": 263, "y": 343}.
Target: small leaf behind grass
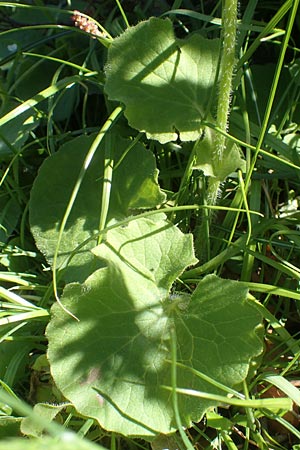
{"x": 205, "y": 160}
{"x": 115, "y": 364}
{"x": 9, "y": 426}
{"x": 45, "y": 410}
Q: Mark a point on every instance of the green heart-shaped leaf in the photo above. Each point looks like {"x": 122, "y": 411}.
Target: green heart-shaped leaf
{"x": 115, "y": 363}
{"x": 134, "y": 186}
{"x": 165, "y": 83}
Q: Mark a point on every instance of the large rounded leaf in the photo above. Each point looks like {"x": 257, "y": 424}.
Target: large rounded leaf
{"x": 165, "y": 83}
{"x": 114, "y": 364}
{"x": 134, "y": 186}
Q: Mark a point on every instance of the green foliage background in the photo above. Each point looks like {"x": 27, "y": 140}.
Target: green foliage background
{"x": 144, "y": 241}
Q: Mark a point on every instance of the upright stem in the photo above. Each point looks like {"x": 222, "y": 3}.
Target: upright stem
{"x": 229, "y": 22}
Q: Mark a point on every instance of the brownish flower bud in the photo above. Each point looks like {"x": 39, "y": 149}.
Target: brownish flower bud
{"x": 86, "y": 24}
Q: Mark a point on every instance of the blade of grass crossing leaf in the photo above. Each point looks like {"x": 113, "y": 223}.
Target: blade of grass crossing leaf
{"x": 266, "y": 403}
{"x": 123, "y": 13}
{"x": 251, "y": 426}
{"x": 184, "y": 183}
{"x": 211, "y": 380}
{"x": 249, "y": 219}
{"x": 284, "y": 385}
{"x": 109, "y": 122}
{"x": 130, "y": 146}
{"x": 107, "y": 177}
{"x": 42, "y": 95}
{"x": 271, "y": 289}
{"x": 107, "y": 181}
{"x": 63, "y": 62}
{"x": 52, "y": 102}
{"x": 228, "y": 441}
{"x": 255, "y": 199}
{"x": 174, "y": 391}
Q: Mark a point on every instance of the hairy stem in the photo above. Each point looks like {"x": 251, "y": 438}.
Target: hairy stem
{"x": 229, "y": 21}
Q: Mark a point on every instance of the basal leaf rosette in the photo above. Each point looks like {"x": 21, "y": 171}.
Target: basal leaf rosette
{"x": 165, "y": 82}
{"x": 114, "y": 365}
